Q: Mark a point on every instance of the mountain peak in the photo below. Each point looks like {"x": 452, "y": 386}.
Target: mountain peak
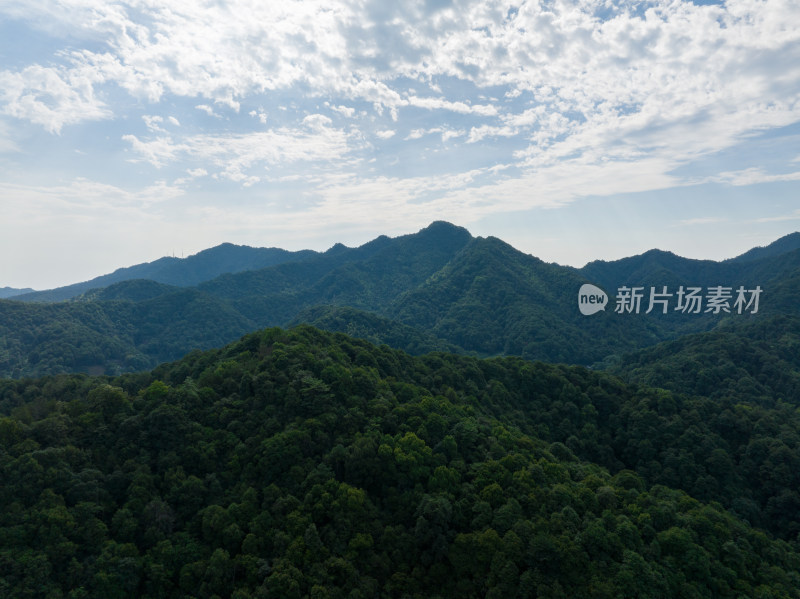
{"x": 337, "y": 248}
{"x": 441, "y": 232}
{"x": 442, "y": 226}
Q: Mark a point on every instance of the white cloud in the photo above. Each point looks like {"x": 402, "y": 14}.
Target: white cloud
{"x": 81, "y": 199}
{"x": 51, "y": 97}
{"x": 752, "y": 176}
{"x": 208, "y": 110}
{"x": 693, "y": 62}
{"x": 594, "y": 98}
{"x": 446, "y": 133}
{"x": 347, "y": 111}
{"x": 478, "y": 133}
{"x": 345, "y": 202}
{"x": 260, "y": 115}
{"x": 385, "y": 134}
{"x": 316, "y": 122}
{"x": 153, "y": 123}
{"x": 443, "y": 104}
{"x": 451, "y": 134}
{"x": 158, "y": 152}
{"x": 234, "y": 156}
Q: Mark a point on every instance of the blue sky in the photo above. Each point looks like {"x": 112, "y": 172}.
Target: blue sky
{"x": 575, "y": 131}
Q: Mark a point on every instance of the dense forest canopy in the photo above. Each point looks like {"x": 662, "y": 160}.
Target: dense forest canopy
{"x": 303, "y": 463}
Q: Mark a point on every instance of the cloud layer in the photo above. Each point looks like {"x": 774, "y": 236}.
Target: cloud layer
{"x": 411, "y": 110}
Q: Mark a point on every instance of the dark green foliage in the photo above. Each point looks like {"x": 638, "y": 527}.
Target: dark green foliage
{"x": 493, "y": 299}
{"x": 112, "y": 336}
{"x": 137, "y": 324}
{"x": 376, "y": 329}
{"x": 751, "y": 361}
{"x": 311, "y": 464}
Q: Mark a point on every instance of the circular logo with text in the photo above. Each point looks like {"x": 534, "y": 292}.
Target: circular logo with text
{"x": 591, "y": 299}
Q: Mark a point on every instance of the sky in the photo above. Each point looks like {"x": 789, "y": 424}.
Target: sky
{"x": 135, "y": 129}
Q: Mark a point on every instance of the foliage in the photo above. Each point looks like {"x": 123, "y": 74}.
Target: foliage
{"x": 111, "y": 336}
{"x": 752, "y": 361}
{"x": 311, "y": 464}
{"x": 375, "y": 329}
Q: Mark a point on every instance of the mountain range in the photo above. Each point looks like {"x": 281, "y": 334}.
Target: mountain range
{"x": 438, "y": 289}
{"x": 313, "y": 463}
{"x": 179, "y": 272}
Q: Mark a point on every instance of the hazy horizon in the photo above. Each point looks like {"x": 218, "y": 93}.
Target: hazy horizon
{"x": 182, "y": 255}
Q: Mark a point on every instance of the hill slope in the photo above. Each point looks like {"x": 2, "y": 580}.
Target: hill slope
{"x": 754, "y": 361}
{"x": 375, "y": 329}
{"x": 112, "y": 336}
{"x": 311, "y": 464}
{"x": 137, "y": 324}
{"x": 493, "y": 299}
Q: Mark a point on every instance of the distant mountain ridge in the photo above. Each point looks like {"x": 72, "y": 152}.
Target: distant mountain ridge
{"x": 228, "y": 258}
{"x": 6, "y": 292}
{"x": 437, "y": 289}
{"x": 179, "y": 272}
{"x": 785, "y": 244}
{"x": 652, "y": 264}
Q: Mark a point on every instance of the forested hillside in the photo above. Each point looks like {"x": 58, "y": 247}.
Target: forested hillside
{"x": 311, "y": 464}
{"x": 376, "y": 329}
{"x": 758, "y": 361}
{"x": 112, "y": 336}
{"x": 438, "y": 289}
